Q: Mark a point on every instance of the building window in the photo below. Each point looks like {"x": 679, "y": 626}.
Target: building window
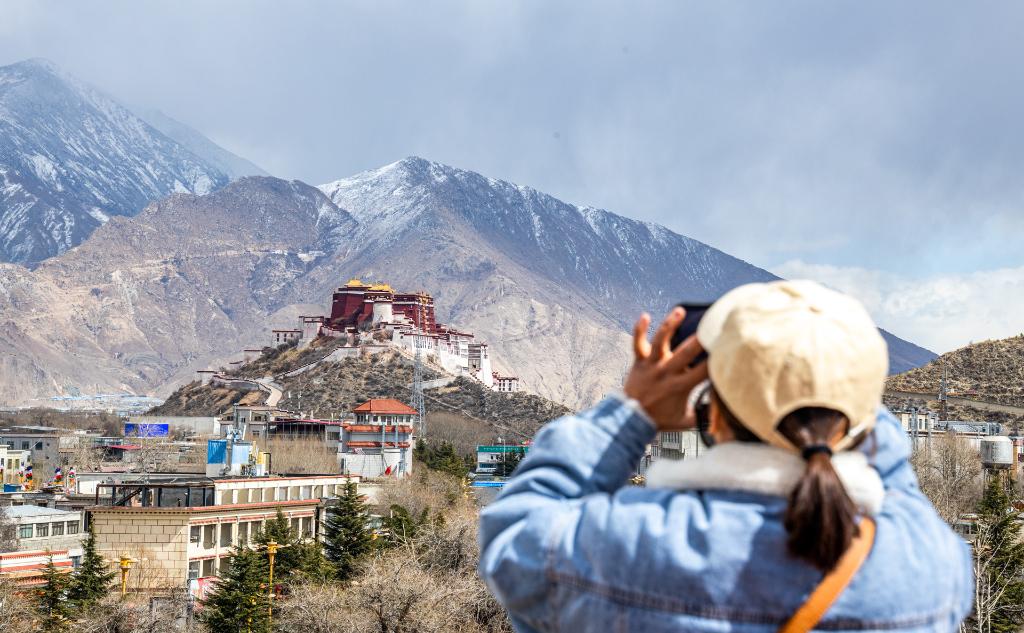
{"x": 72, "y": 527}
{"x": 42, "y": 529}
{"x": 76, "y": 561}
{"x": 208, "y": 538}
{"x": 24, "y": 446}
{"x": 25, "y": 531}
{"x": 243, "y": 533}
{"x": 39, "y": 446}
{"x": 194, "y": 534}
{"x": 207, "y": 567}
{"x": 193, "y": 569}
{"x": 225, "y": 535}
{"x": 57, "y": 529}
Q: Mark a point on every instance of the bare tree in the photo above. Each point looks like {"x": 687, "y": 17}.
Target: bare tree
{"x": 949, "y": 473}
{"x": 303, "y": 456}
{"x": 8, "y": 532}
{"x": 16, "y": 613}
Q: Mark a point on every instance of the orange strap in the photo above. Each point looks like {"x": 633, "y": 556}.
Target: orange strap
{"x": 833, "y": 584}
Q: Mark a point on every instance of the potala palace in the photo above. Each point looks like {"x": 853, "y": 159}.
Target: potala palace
{"x": 404, "y": 320}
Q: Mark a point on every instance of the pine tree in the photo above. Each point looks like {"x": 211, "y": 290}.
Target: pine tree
{"x": 347, "y": 538}
{"x": 999, "y": 562}
{"x": 53, "y": 606}
{"x": 294, "y": 555}
{"x": 239, "y": 602}
{"x": 92, "y": 580}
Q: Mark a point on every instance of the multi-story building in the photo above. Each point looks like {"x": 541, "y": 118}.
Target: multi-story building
{"x": 12, "y": 464}
{"x": 183, "y": 531}
{"x": 41, "y": 534}
{"x": 43, "y": 446}
{"x": 379, "y": 442}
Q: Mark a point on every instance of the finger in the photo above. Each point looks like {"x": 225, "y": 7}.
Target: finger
{"x": 641, "y": 348}
{"x": 685, "y": 382}
{"x": 685, "y": 354}
{"x": 663, "y": 337}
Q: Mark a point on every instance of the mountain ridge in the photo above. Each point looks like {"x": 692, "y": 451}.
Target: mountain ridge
{"x": 72, "y": 157}
{"x": 193, "y": 279}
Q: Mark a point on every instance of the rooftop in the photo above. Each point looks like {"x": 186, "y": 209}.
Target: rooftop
{"x": 385, "y": 406}
{"x": 17, "y": 512}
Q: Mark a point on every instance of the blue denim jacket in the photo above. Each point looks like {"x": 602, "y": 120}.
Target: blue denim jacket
{"x": 568, "y": 546}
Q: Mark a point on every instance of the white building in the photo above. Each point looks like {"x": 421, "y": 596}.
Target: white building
{"x": 379, "y": 442}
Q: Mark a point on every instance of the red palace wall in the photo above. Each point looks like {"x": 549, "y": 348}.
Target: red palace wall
{"x": 349, "y": 307}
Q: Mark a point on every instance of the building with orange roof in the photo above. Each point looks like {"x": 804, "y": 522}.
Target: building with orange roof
{"x": 378, "y": 443}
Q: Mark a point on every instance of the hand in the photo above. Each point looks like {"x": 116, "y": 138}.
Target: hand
{"x": 661, "y": 379}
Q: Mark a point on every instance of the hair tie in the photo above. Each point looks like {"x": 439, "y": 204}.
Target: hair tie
{"x": 814, "y": 449}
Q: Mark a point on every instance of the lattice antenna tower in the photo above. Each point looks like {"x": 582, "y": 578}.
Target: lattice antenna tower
{"x": 944, "y": 393}
{"x": 416, "y": 400}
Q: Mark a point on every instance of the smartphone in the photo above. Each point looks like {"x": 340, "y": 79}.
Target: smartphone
{"x": 694, "y": 313}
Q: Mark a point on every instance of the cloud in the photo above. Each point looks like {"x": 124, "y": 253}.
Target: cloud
{"x": 941, "y": 312}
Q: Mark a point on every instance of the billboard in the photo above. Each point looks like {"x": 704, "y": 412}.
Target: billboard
{"x": 146, "y": 430}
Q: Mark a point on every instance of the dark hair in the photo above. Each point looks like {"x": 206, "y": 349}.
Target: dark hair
{"x": 820, "y": 518}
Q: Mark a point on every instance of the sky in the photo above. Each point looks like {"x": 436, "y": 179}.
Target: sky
{"x": 874, "y": 146}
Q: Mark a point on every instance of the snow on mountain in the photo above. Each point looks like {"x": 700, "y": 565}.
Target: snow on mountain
{"x": 71, "y": 157}
{"x": 601, "y": 266}
{"x": 193, "y": 279}
{"x": 231, "y": 164}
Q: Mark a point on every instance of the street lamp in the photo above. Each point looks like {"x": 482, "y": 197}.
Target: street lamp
{"x": 126, "y": 564}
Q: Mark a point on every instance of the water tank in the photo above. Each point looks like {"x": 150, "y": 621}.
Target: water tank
{"x": 997, "y": 452}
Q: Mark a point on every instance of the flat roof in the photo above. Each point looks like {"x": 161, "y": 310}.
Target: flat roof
{"x": 18, "y": 512}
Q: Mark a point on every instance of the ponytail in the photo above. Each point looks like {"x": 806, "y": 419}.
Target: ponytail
{"x": 820, "y": 519}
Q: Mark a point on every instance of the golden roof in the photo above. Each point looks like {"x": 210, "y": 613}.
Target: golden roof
{"x": 354, "y": 282}
{"x": 381, "y": 287}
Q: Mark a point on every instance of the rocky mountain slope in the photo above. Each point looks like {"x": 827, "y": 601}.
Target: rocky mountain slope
{"x": 147, "y": 300}
{"x": 71, "y": 158}
{"x": 552, "y": 287}
{"x": 989, "y": 370}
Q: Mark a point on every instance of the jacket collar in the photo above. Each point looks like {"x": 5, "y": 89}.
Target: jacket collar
{"x": 764, "y": 469}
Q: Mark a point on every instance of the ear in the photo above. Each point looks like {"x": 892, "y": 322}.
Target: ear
{"x": 717, "y": 426}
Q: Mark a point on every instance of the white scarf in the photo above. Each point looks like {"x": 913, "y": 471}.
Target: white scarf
{"x": 764, "y": 469}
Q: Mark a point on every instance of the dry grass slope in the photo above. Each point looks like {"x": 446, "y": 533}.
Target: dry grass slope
{"x": 994, "y": 370}
{"x": 332, "y": 389}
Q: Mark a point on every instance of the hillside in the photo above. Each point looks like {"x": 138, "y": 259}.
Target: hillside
{"x": 331, "y": 389}
{"x": 989, "y": 370}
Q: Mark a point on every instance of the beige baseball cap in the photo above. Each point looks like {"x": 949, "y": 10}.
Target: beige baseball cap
{"x": 777, "y": 347}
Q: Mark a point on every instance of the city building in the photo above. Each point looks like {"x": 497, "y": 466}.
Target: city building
{"x": 489, "y": 456}
{"x": 41, "y": 533}
{"x": 42, "y": 443}
{"x": 191, "y": 425}
{"x": 180, "y": 533}
{"x": 12, "y": 464}
{"x": 379, "y": 442}
{"x": 505, "y": 384}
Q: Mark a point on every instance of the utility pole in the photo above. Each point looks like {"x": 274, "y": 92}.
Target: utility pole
{"x": 943, "y": 393}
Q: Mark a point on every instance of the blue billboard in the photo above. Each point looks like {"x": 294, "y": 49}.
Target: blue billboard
{"x": 146, "y": 430}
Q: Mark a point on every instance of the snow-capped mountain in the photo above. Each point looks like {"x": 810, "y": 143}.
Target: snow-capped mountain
{"x": 71, "y": 157}
{"x": 193, "y": 279}
{"x": 231, "y": 164}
